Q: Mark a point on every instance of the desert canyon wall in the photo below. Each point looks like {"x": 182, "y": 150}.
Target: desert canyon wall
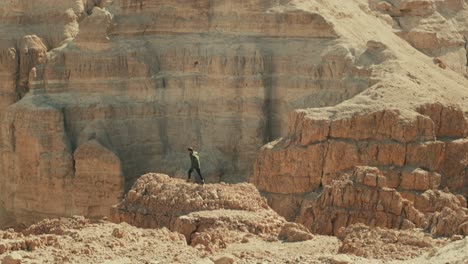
{"x": 95, "y": 93}
{"x": 410, "y": 126}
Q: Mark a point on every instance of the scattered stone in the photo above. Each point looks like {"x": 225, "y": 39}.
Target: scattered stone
{"x": 386, "y": 244}
{"x": 292, "y": 232}
{"x": 118, "y": 233}
{"x": 13, "y": 258}
{"x": 341, "y": 259}
{"x": 223, "y": 259}
{"x": 456, "y": 237}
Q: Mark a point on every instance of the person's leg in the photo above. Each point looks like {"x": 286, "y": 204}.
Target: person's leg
{"x": 189, "y": 174}
{"x": 201, "y": 177}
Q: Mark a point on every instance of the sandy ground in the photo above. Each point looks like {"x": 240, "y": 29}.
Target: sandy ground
{"x": 80, "y": 241}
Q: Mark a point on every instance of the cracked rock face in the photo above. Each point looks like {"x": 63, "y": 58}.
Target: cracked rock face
{"x": 317, "y": 151}
{"x": 363, "y": 196}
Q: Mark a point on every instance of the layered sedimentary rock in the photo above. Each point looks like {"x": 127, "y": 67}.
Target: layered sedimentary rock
{"x": 417, "y": 154}
{"x": 363, "y": 196}
{"x": 427, "y": 152}
{"x": 317, "y": 150}
{"x": 131, "y": 84}
{"x": 409, "y": 123}
{"x": 145, "y": 79}
{"x": 210, "y": 216}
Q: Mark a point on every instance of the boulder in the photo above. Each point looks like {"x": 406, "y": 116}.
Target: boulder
{"x": 13, "y": 258}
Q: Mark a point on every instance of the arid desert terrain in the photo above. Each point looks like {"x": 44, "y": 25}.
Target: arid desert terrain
{"x": 329, "y": 131}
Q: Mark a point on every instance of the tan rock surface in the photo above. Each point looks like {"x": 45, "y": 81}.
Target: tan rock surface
{"x": 407, "y": 119}
{"x": 85, "y": 241}
{"x": 436, "y": 28}
{"x": 451, "y": 253}
{"x": 385, "y": 244}
{"x": 80, "y": 241}
{"x": 209, "y": 216}
{"x": 124, "y": 87}
{"x": 364, "y": 197}
{"x": 148, "y": 78}
{"x": 422, "y": 153}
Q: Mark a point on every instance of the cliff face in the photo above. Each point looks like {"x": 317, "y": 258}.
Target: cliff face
{"x": 95, "y": 93}
{"x": 412, "y": 119}
{"x": 129, "y": 85}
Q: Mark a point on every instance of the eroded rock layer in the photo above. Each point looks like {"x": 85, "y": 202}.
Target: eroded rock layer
{"x": 142, "y": 80}
{"x": 363, "y": 196}
{"x": 318, "y": 150}
{"x": 409, "y": 123}
{"x": 96, "y": 93}
{"x": 210, "y": 216}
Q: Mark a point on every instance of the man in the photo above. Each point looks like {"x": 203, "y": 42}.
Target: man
{"x": 194, "y": 164}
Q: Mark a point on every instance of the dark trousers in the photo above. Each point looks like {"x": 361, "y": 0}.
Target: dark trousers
{"x": 198, "y": 171}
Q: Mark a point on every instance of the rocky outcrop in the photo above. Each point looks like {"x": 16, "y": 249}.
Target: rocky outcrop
{"x": 32, "y": 52}
{"x": 417, "y": 139}
{"x": 209, "y": 216}
{"x": 319, "y": 149}
{"x": 47, "y": 178}
{"x": 385, "y": 244}
{"x": 364, "y": 197}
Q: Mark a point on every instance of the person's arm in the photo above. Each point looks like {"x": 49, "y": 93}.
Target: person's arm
{"x": 197, "y": 157}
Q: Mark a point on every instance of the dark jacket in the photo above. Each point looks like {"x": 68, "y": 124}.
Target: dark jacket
{"x": 194, "y": 160}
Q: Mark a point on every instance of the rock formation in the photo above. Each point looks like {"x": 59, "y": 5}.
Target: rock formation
{"x": 146, "y": 79}
{"x": 408, "y": 123}
{"x": 210, "y": 217}
{"x": 363, "y": 196}
{"x": 385, "y": 244}
{"x": 416, "y": 154}
{"x": 126, "y": 86}
{"x": 78, "y": 240}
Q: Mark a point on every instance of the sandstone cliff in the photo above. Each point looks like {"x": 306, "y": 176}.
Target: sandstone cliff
{"x": 411, "y": 122}
{"x": 142, "y": 80}
{"x": 96, "y": 93}
{"x": 363, "y": 196}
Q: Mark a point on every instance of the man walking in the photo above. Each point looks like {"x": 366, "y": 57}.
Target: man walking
{"x": 194, "y": 164}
